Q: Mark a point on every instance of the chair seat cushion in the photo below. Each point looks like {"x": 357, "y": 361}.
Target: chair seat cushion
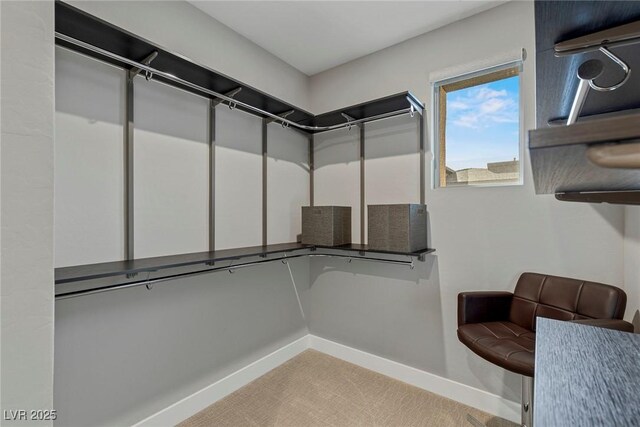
{"x": 502, "y": 343}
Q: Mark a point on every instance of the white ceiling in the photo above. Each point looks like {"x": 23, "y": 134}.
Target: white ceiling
{"x": 314, "y": 36}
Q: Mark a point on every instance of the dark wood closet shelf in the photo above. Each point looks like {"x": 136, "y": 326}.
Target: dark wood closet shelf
{"x": 117, "y": 274}
{"x": 354, "y": 247}
{"x": 110, "y": 39}
{"x": 143, "y": 265}
{"x": 560, "y": 163}
{"x": 620, "y": 127}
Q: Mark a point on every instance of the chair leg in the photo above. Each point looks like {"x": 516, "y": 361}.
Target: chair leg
{"x": 527, "y": 402}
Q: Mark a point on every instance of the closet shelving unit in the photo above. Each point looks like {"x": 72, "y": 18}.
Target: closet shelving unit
{"x": 95, "y": 38}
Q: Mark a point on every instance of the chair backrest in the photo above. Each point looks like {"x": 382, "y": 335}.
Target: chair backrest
{"x": 563, "y": 298}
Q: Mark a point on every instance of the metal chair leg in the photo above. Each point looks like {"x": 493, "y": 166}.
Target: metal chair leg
{"x": 527, "y": 402}
{"x": 526, "y": 414}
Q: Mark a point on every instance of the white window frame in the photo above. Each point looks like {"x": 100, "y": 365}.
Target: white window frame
{"x": 435, "y": 116}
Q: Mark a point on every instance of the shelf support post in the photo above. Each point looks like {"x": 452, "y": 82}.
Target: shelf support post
{"x": 421, "y": 132}
{"x": 362, "y": 188}
{"x": 423, "y": 197}
{"x": 265, "y": 124}
{"x": 362, "y": 185}
{"x": 131, "y": 74}
{"x": 311, "y": 168}
{"x": 212, "y": 174}
{"x": 128, "y": 165}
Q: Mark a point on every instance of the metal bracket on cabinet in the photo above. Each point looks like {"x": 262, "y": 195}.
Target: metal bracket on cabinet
{"x": 601, "y": 41}
{"x": 587, "y": 74}
{"x": 621, "y": 63}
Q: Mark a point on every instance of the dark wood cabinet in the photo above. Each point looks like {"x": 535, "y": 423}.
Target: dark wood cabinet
{"x": 559, "y": 153}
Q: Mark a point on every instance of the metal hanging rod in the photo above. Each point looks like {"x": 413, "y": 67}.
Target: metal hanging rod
{"x": 231, "y": 268}
{"x": 362, "y": 258}
{"x": 152, "y": 72}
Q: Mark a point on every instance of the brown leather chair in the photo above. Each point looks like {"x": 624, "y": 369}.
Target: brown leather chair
{"x": 500, "y": 326}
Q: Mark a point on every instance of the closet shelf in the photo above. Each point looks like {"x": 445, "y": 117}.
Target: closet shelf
{"x": 354, "y": 247}
{"x": 88, "y": 35}
{"x": 589, "y": 159}
{"x": 93, "y": 278}
{"x": 144, "y": 265}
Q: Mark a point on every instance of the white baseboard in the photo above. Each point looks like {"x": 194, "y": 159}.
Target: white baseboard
{"x": 462, "y": 393}
{"x": 199, "y": 400}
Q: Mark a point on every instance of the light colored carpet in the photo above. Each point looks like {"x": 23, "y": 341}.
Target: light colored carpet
{"x": 314, "y": 389}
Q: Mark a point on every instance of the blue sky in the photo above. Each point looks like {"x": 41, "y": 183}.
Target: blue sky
{"x": 483, "y": 124}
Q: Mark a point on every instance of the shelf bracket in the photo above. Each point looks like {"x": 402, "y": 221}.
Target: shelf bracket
{"x": 146, "y": 61}
{"x": 414, "y": 107}
{"x": 349, "y": 120}
{"x": 149, "y": 285}
{"x": 282, "y": 116}
{"x": 215, "y": 102}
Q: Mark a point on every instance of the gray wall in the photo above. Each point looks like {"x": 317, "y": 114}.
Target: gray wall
{"x": 26, "y": 173}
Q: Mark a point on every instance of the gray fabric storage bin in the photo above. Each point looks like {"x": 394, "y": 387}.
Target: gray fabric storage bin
{"x": 326, "y": 225}
{"x": 397, "y": 228}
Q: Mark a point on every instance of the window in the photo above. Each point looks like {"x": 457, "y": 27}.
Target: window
{"x": 477, "y": 124}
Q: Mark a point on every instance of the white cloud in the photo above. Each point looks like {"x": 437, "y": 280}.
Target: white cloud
{"x": 493, "y": 105}
{"x": 481, "y": 106}
{"x": 484, "y": 92}
{"x": 457, "y": 105}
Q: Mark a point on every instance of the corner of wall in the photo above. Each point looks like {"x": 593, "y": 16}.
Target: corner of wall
{"x": 26, "y": 174}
